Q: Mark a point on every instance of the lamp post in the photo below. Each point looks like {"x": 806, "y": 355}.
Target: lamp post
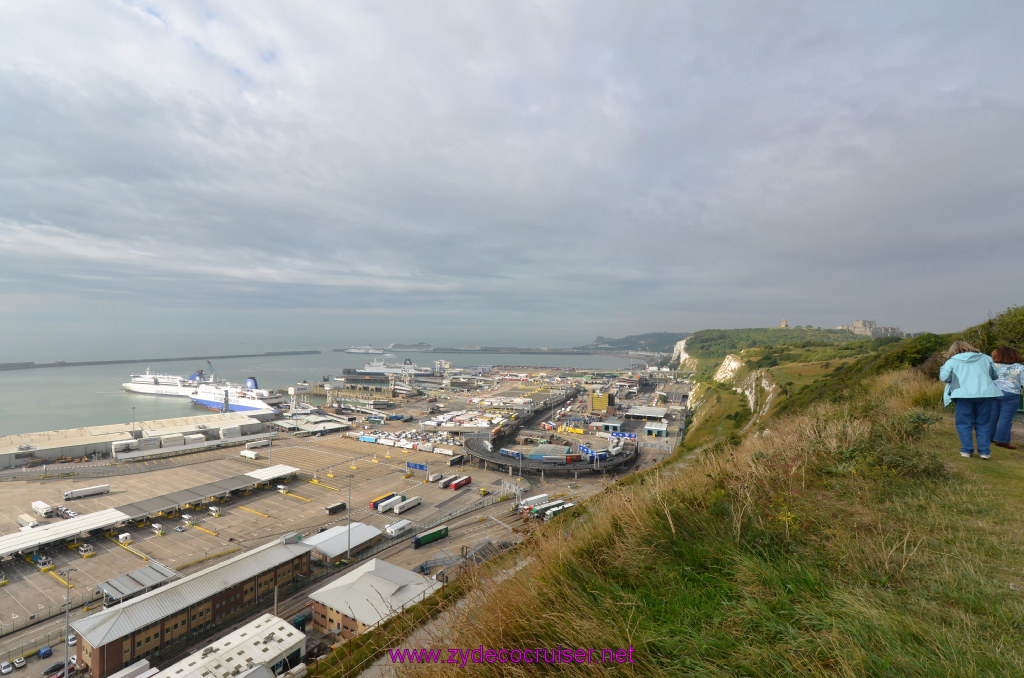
{"x": 348, "y": 508}
{"x": 67, "y": 612}
{"x": 133, "y": 421}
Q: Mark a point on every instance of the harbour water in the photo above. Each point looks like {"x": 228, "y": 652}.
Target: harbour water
{"x": 45, "y": 399}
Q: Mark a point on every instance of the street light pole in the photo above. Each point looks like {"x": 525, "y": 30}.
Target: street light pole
{"x": 67, "y": 613}
{"x": 348, "y": 507}
{"x": 133, "y": 421}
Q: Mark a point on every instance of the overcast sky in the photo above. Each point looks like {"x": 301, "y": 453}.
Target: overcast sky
{"x": 191, "y": 177}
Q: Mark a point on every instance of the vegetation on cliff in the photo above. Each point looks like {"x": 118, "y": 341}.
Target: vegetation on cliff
{"x": 846, "y": 537}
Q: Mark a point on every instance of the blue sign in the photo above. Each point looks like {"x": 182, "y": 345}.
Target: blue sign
{"x": 418, "y": 467}
{"x": 584, "y": 449}
{"x": 631, "y": 436}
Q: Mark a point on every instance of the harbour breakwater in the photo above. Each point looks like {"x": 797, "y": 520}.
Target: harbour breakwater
{"x": 62, "y": 363}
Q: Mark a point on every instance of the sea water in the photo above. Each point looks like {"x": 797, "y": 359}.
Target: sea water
{"x": 51, "y": 398}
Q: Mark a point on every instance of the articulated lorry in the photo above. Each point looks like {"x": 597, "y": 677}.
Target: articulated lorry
{"x": 25, "y": 520}
{"x": 86, "y": 491}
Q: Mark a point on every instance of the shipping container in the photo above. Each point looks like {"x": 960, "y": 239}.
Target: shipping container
{"x": 445, "y": 482}
{"x": 249, "y": 454}
{"x": 123, "y": 445}
{"x": 148, "y": 443}
{"x": 461, "y": 482}
{"x": 426, "y": 447}
{"x": 383, "y": 497}
{"x": 230, "y": 432}
{"x": 399, "y": 528}
{"x": 456, "y": 460}
{"x": 388, "y": 504}
{"x": 429, "y": 536}
{"x": 553, "y": 459}
{"x": 434, "y": 477}
{"x": 254, "y": 444}
{"x": 25, "y": 520}
{"x": 336, "y": 508}
{"x": 411, "y": 502}
{"x": 539, "y": 511}
{"x": 173, "y": 440}
{"x": 533, "y": 501}
{"x": 195, "y": 439}
{"x": 368, "y": 439}
{"x": 551, "y": 513}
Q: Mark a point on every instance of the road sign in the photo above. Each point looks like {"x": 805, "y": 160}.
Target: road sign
{"x": 418, "y": 467}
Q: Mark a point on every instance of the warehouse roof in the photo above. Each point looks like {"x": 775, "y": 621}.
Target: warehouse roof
{"x": 129, "y": 584}
{"x": 149, "y": 608}
{"x": 375, "y": 591}
{"x": 333, "y": 542}
{"x": 647, "y": 412}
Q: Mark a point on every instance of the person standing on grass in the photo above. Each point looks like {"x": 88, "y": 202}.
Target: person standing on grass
{"x": 970, "y": 383}
{"x": 1009, "y": 380}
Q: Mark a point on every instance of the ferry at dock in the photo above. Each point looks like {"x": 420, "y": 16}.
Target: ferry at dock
{"x": 230, "y": 398}
{"x": 149, "y": 383}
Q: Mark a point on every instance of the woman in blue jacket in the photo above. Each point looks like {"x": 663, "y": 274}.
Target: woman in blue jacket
{"x": 1009, "y": 380}
{"x": 970, "y": 383}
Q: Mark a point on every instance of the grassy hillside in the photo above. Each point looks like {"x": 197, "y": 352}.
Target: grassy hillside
{"x": 662, "y": 342}
{"x": 846, "y": 538}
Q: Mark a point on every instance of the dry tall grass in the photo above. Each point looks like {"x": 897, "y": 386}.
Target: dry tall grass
{"x": 834, "y": 542}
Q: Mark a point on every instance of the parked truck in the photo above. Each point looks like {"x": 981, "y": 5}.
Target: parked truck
{"x": 25, "y": 520}
{"x": 87, "y": 491}
{"x": 429, "y": 536}
{"x": 42, "y": 508}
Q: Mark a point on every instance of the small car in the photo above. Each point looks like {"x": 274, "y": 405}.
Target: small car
{"x": 72, "y": 640}
{"x": 179, "y": 528}
{"x": 45, "y": 651}
{"x": 6, "y": 667}
{"x": 19, "y": 662}
{"x": 53, "y": 668}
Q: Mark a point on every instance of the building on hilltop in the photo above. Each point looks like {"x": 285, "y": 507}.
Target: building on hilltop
{"x": 783, "y": 323}
{"x": 869, "y": 328}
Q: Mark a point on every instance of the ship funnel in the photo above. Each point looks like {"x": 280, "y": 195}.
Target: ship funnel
{"x": 251, "y": 383}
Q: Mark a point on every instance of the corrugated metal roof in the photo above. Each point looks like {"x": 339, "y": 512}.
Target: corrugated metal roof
{"x": 30, "y": 540}
{"x": 375, "y": 591}
{"x": 149, "y": 608}
{"x": 139, "y": 580}
{"x": 334, "y": 542}
{"x": 657, "y": 412}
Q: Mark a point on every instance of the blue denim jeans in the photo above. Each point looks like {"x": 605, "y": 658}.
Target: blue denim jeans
{"x": 1002, "y": 416}
{"x": 974, "y": 416}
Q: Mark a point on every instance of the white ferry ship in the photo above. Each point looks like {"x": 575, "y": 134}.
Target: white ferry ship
{"x": 236, "y": 398}
{"x": 172, "y": 385}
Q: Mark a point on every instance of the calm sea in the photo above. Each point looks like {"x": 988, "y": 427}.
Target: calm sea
{"x": 46, "y": 399}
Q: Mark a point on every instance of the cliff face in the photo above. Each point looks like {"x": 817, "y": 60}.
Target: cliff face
{"x": 686, "y": 362}
{"x": 757, "y": 386}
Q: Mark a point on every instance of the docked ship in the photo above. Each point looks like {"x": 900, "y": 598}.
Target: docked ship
{"x": 221, "y": 397}
{"x": 369, "y": 350}
{"x": 405, "y": 368}
{"x": 172, "y": 385}
{"x": 420, "y": 347}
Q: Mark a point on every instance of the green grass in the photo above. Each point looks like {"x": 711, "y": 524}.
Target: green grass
{"x": 850, "y": 540}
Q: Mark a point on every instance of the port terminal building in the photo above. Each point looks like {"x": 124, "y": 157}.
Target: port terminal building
{"x": 161, "y": 623}
{"x": 156, "y": 437}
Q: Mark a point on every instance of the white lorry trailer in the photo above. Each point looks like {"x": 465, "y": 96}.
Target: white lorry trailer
{"x": 86, "y": 491}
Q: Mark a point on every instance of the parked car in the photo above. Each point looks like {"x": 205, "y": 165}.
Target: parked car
{"x": 53, "y": 668}
{"x": 19, "y": 662}
{"x": 45, "y": 651}
{"x": 179, "y": 528}
{"x": 6, "y": 667}
{"x": 72, "y": 640}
